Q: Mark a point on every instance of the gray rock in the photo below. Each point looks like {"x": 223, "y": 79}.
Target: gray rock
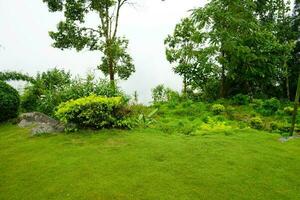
{"x": 40, "y": 123}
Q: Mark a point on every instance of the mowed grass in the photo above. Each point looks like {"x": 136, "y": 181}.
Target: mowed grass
{"x": 148, "y": 164}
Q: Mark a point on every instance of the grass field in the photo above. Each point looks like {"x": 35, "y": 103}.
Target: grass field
{"x": 148, "y": 164}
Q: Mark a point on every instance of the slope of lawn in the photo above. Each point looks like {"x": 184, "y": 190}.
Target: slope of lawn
{"x": 148, "y": 164}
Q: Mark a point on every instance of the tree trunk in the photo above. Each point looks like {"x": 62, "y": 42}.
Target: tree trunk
{"x": 287, "y": 84}
{"x": 295, "y": 108}
{"x": 222, "y": 89}
{"x": 184, "y": 86}
{"x": 111, "y": 73}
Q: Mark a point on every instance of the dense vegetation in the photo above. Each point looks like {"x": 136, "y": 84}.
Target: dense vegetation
{"x": 231, "y": 47}
{"x": 9, "y": 102}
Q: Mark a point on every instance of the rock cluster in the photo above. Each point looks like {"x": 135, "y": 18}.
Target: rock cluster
{"x": 40, "y": 123}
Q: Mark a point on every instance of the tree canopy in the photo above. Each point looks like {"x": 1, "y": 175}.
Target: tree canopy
{"x": 73, "y": 32}
{"x": 239, "y": 43}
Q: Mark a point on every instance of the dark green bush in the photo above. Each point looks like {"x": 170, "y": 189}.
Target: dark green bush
{"x": 9, "y": 102}
{"x": 94, "y": 112}
{"x": 256, "y": 123}
{"x": 270, "y": 106}
{"x": 241, "y": 99}
{"x": 218, "y": 109}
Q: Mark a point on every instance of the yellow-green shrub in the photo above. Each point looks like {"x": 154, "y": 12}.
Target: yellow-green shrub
{"x": 217, "y": 109}
{"x": 256, "y": 123}
{"x": 94, "y": 112}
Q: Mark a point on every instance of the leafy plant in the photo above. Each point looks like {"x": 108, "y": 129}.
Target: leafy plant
{"x": 146, "y": 120}
{"x": 94, "y": 112}
{"x": 256, "y": 123}
{"x": 288, "y": 110}
{"x": 241, "y": 99}
{"x": 43, "y": 95}
{"x": 218, "y": 109}
{"x": 9, "y": 102}
{"x": 270, "y": 106}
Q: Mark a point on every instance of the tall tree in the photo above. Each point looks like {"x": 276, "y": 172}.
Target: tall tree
{"x": 74, "y": 33}
{"x": 245, "y": 54}
{"x": 294, "y": 64}
{"x": 189, "y": 58}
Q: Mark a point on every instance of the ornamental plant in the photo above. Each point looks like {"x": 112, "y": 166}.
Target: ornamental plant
{"x": 94, "y": 112}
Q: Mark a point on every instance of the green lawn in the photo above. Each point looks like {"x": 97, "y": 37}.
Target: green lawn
{"x": 148, "y": 164}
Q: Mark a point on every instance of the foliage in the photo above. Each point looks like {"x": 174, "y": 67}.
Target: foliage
{"x": 9, "y": 76}
{"x": 93, "y": 112}
{"x": 79, "y": 88}
{"x": 162, "y": 94}
{"x": 218, "y": 109}
{"x": 43, "y": 94}
{"x": 206, "y": 46}
{"x": 146, "y": 120}
{"x": 288, "y": 110}
{"x": 256, "y": 123}
{"x": 270, "y": 106}
{"x": 241, "y": 99}
{"x": 257, "y": 103}
{"x": 73, "y": 32}
{"x": 9, "y": 102}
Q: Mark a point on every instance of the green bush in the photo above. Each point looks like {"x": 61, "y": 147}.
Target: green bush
{"x": 94, "y": 112}
{"x": 257, "y": 103}
{"x": 240, "y": 99}
{"x": 284, "y": 127}
{"x": 56, "y": 86}
{"x": 288, "y": 110}
{"x": 9, "y": 102}
{"x": 43, "y": 94}
{"x": 79, "y": 88}
{"x": 218, "y": 109}
{"x": 256, "y": 123}
{"x": 270, "y": 106}
{"x": 274, "y": 126}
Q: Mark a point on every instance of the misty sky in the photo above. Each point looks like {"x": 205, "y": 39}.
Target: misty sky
{"x": 26, "y": 46}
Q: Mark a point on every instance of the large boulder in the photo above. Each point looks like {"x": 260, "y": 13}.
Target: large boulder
{"x": 40, "y": 123}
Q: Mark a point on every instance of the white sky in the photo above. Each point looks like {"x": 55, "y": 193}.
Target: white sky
{"x": 24, "y": 27}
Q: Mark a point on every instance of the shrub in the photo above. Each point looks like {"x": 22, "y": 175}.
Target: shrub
{"x": 257, "y": 103}
{"x": 79, "y": 88}
{"x": 43, "y": 94}
{"x": 217, "y": 109}
{"x": 288, "y": 110}
{"x": 9, "y": 102}
{"x": 94, "y": 112}
{"x": 256, "y": 123}
{"x": 270, "y": 106}
{"x": 274, "y": 126}
{"x": 241, "y": 99}
{"x": 284, "y": 127}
